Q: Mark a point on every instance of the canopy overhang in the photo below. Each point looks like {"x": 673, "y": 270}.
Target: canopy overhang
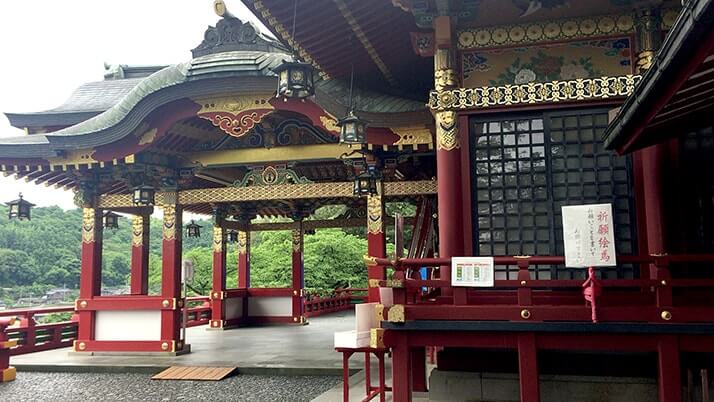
{"x": 676, "y": 94}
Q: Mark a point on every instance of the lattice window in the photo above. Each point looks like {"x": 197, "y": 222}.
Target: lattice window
{"x": 526, "y": 168}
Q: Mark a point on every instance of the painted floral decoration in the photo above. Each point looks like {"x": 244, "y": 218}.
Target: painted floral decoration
{"x": 524, "y": 76}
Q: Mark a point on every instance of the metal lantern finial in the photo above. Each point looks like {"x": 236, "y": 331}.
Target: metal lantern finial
{"x": 111, "y": 220}
{"x": 19, "y": 209}
{"x": 295, "y": 79}
{"x": 193, "y": 229}
{"x": 144, "y": 195}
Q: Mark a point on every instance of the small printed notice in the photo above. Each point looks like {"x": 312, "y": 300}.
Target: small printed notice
{"x": 472, "y": 271}
{"x": 588, "y": 234}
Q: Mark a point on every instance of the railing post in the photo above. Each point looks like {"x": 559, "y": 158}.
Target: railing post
{"x": 7, "y": 373}
{"x": 57, "y": 336}
{"x": 28, "y": 322}
{"x": 525, "y": 293}
{"x": 664, "y": 288}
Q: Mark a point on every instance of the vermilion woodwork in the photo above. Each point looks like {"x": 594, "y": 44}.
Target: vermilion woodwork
{"x": 171, "y": 271}
{"x": 298, "y": 273}
{"x": 218, "y": 313}
{"x": 376, "y": 242}
{"x": 139, "y": 278}
{"x": 90, "y": 281}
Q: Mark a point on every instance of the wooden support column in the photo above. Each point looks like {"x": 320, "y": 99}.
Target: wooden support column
{"x": 448, "y": 157}
{"x": 652, "y": 159}
{"x": 669, "y": 380}
{"x": 218, "y": 311}
{"x": 418, "y": 363}
{"x": 171, "y": 274}
{"x": 648, "y": 40}
{"x": 298, "y": 272}
{"x": 243, "y": 255}
{"x": 401, "y": 368}
{"x": 140, "y": 230}
{"x": 528, "y": 368}
{"x": 376, "y": 242}
{"x": 90, "y": 281}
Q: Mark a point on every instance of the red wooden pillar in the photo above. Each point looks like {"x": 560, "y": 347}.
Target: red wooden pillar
{"x": 139, "y": 279}
{"x": 298, "y": 272}
{"x": 652, "y": 159}
{"x": 171, "y": 275}
{"x": 376, "y": 242}
{"x": 90, "y": 280}
{"x": 243, "y": 255}
{"x": 401, "y": 368}
{"x": 218, "y": 312}
{"x": 448, "y": 176}
{"x": 528, "y": 368}
{"x": 418, "y": 363}
{"x": 670, "y": 382}
{"x": 448, "y": 157}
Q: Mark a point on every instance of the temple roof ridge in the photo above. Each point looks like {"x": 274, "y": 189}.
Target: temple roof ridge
{"x": 233, "y": 34}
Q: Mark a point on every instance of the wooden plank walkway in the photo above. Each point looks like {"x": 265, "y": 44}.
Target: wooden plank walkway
{"x": 194, "y": 373}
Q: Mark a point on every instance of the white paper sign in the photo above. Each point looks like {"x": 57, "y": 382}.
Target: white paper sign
{"x": 472, "y": 271}
{"x": 187, "y": 271}
{"x": 588, "y": 234}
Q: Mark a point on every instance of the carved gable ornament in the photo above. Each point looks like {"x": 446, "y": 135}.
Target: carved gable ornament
{"x": 231, "y": 34}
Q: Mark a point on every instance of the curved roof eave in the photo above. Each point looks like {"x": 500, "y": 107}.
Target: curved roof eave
{"x": 202, "y": 76}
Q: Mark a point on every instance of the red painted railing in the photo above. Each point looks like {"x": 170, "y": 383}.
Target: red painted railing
{"x": 655, "y": 297}
{"x": 199, "y": 311}
{"x": 342, "y": 299}
{"x": 34, "y": 337}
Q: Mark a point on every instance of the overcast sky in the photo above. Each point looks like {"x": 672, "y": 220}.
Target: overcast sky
{"x": 50, "y": 47}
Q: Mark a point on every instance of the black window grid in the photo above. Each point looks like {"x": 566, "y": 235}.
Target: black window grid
{"x": 526, "y": 167}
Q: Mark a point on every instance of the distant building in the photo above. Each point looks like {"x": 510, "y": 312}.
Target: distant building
{"x": 57, "y": 295}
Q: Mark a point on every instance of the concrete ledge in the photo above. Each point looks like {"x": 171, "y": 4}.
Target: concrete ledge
{"x": 88, "y": 368}
{"x": 248, "y": 370}
{"x": 186, "y": 350}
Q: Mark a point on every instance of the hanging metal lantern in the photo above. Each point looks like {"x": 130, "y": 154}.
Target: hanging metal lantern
{"x": 232, "y": 236}
{"x": 310, "y": 232}
{"x": 193, "y": 229}
{"x": 365, "y": 184}
{"x": 19, "y": 209}
{"x": 295, "y": 79}
{"x": 144, "y": 195}
{"x": 111, "y": 220}
{"x": 353, "y": 130}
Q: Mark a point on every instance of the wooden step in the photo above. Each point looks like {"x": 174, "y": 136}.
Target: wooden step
{"x": 194, "y": 373}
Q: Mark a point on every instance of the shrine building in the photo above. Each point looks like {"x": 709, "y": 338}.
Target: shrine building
{"x": 489, "y": 115}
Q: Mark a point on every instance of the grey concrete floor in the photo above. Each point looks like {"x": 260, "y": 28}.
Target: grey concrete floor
{"x": 275, "y": 347}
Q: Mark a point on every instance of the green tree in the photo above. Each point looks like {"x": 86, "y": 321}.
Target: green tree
{"x": 56, "y": 276}
{"x": 17, "y": 268}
